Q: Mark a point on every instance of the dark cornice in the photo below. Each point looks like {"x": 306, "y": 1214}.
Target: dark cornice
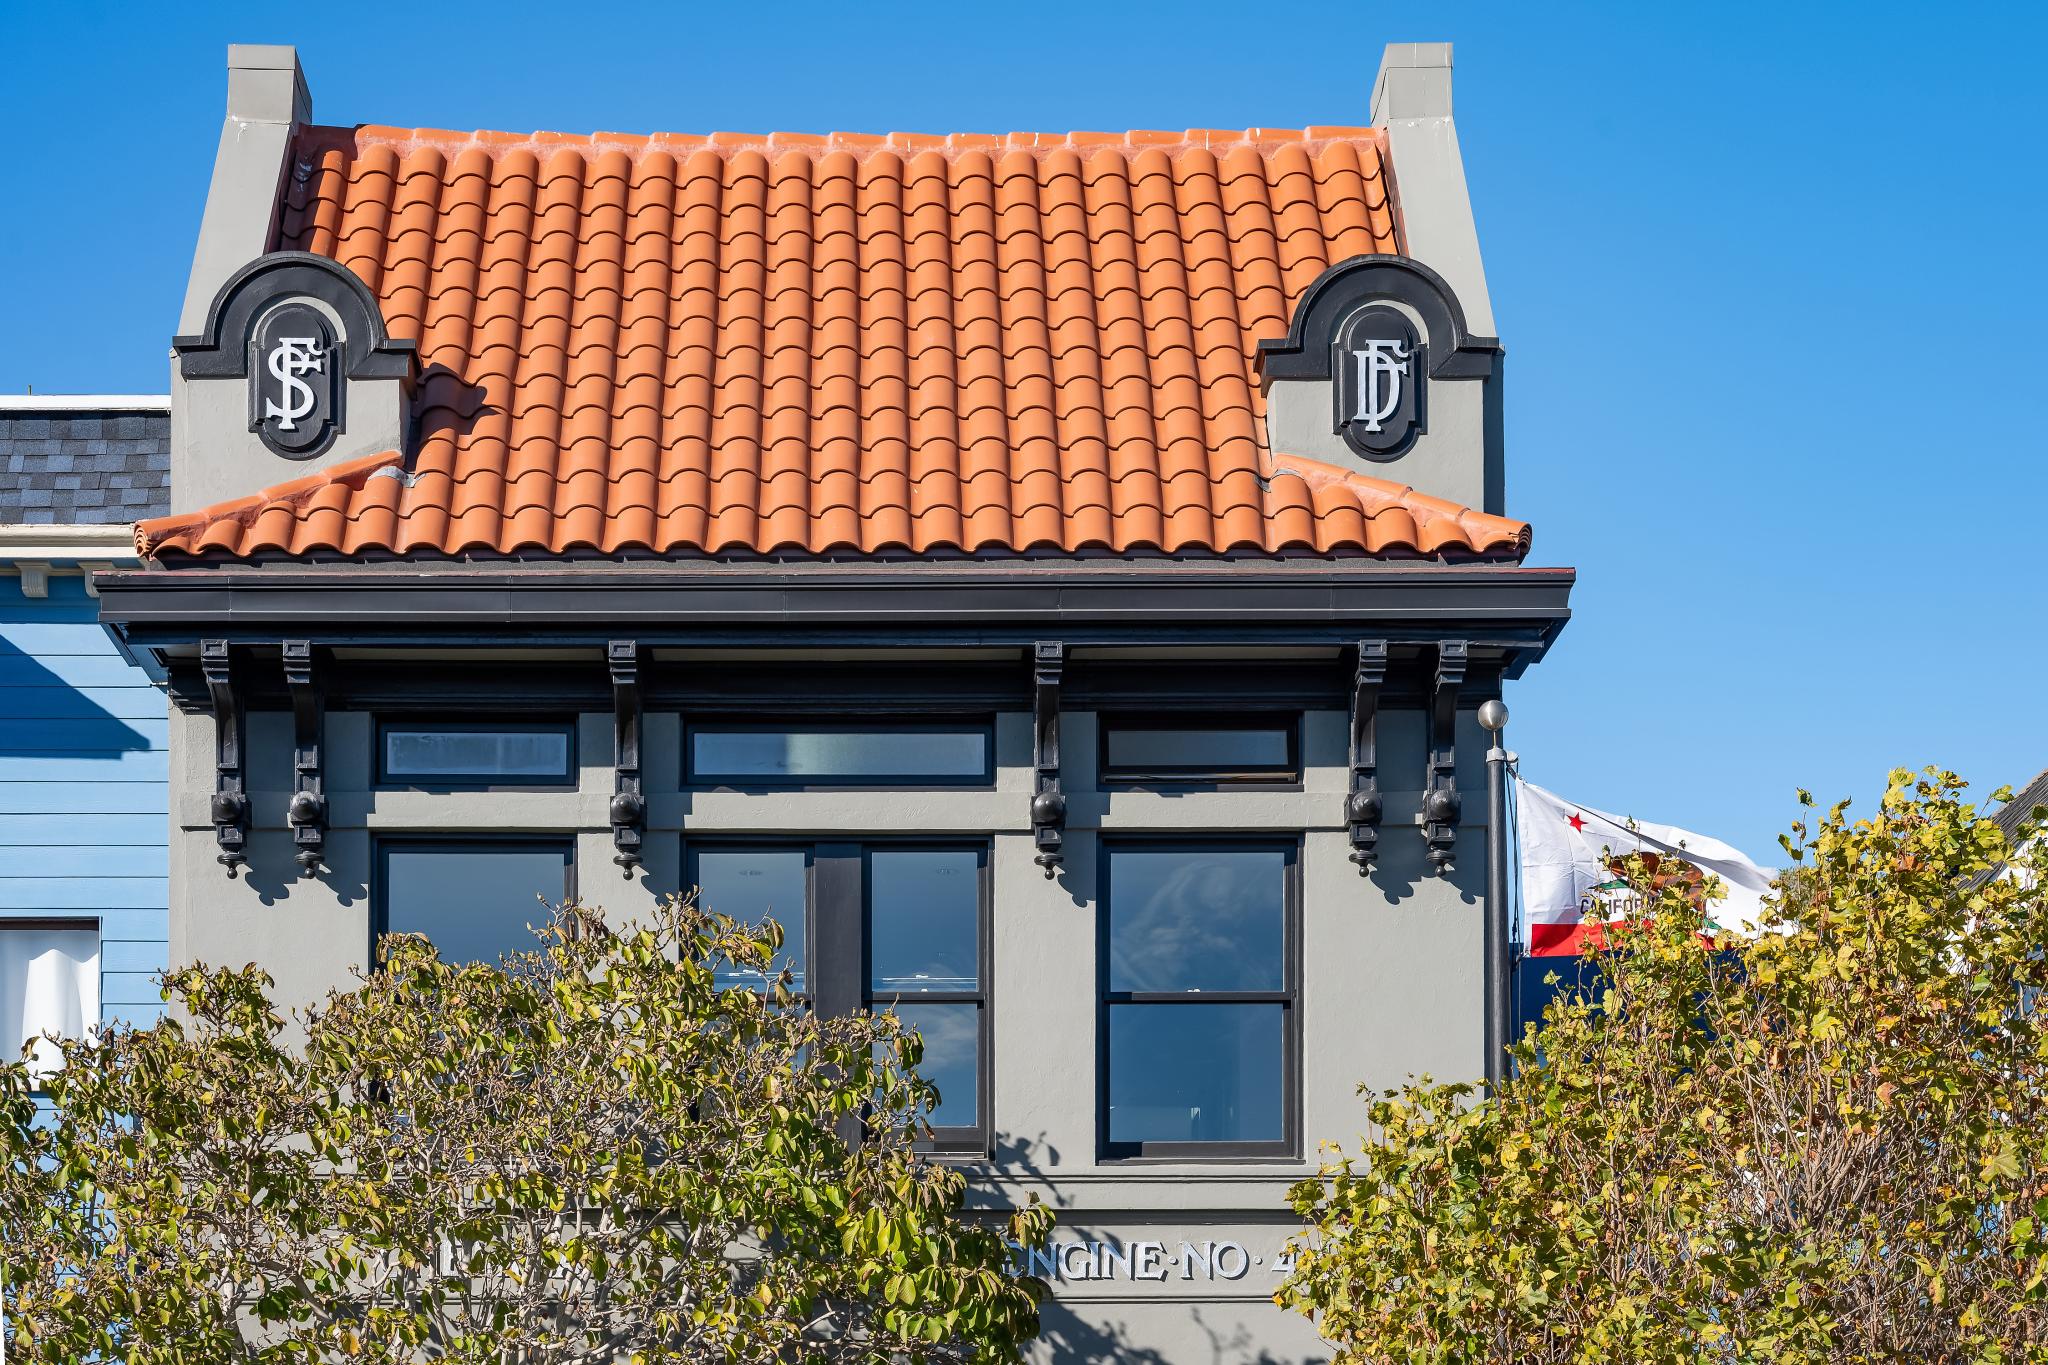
{"x": 1517, "y": 611}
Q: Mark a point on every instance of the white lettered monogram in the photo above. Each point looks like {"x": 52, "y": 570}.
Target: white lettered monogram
{"x": 290, "y": 358}
{"x": 295, "y": 377}
{"x": 1382, "y": 365}
{"x": 1381, "y": 368}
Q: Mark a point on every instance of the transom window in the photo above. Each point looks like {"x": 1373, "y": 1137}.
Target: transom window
{"x": 475, "y": 899}
{"x": 1199, "y": 982}
{"x": 836, "y": 753}
{"x": 452, "y": 753}
{"x": 883, "y": 927}
{"x": 1170, "y": 748}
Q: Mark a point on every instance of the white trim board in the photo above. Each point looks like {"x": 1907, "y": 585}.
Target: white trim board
{"x": 85, "y": 402}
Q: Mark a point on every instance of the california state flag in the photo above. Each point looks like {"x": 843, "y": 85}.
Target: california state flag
{"x": 1570, "y": 860}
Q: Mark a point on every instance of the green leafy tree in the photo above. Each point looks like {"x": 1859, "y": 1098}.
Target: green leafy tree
{"x": 1825, "y": 1143}
{"x": 590, "y": 1153}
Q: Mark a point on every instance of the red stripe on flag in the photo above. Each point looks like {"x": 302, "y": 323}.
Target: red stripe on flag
{"x": 1564, "y": 940}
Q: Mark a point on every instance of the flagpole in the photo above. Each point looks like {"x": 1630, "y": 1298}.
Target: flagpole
{"x": 1493, "y": 716}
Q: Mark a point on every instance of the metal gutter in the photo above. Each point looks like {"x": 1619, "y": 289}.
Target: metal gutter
{"x": 1517, "y": 610}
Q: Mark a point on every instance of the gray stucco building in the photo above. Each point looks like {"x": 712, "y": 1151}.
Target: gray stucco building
{"x": 1055, "y": 574}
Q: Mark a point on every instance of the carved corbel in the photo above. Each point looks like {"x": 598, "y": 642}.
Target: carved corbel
{"x": 1362, "y": 809}
{"x": 629, "y": 801}
{"x": 1441, "y": 806}
{"x": 230, "y": 808}
{"x": 307, "y": 813}
{"x": 1048, "y": 802}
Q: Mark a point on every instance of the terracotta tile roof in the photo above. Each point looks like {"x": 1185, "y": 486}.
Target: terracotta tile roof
{"x": 780, "y": 344}
{"x": 360, "y": 508}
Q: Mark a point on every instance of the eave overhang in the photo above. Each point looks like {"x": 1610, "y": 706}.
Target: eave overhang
{"x": 1509, "y": 611}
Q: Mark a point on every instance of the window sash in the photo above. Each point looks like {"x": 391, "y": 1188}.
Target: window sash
{"x": 838, "y": 911}
{"x": 1115, "y": 771}
{"x": 820, "y": 734}
{"x": 804, "y": 981}
{"x": 1286, "y": 998}
{"x": 962, "y": 1139}
{"x": 387, "y": 845}
{"x": 458, "y": 778}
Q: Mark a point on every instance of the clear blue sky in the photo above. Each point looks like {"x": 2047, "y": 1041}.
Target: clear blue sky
{"x": 1770, "y": 278}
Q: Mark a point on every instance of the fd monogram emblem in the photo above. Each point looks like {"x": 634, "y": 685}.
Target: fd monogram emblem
{"x": 295, "y": 376}
{"x": 1381, "y": 368}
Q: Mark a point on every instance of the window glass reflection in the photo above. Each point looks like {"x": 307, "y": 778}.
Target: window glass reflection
{"x": 1207, "y": 750}
{"x": 427, "y": 752}
{"x": 476, "y": 904}
{"x": 756, "y": 884}
{"x": 924, "y": 921}
{"x": 1189, "y": 919}
{"x": 826, "y": 754}
{"x": 1210, "y": 1073}
{"x": 952, "y": 1045}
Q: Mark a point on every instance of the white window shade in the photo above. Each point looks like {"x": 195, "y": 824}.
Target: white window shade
{"x": 49, "y": 984}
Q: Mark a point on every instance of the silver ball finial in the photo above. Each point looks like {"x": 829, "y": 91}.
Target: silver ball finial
{"x": 1493, "y": 715}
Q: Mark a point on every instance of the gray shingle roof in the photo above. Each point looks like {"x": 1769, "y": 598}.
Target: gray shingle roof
{"x": 83, "y": 466}
{"x": 2035, "y": 793}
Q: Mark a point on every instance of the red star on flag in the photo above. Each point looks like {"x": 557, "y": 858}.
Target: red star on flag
{"x": 1576, "y": 823}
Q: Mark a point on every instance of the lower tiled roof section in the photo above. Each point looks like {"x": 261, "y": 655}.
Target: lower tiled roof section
{"x": 362, "y": 507}
{"x": 83, "y": 467}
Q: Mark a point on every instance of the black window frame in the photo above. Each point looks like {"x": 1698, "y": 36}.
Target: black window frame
{"x": 980, "y": 722}
{"x": 809, "y": 848}
{"x": 838, "y": 972}
{"x": 964, "y": 1140}
{"x": 382, "y": 844}
{"x": 1288, "y": 1147}
{"x": 386, "y": 780}
{"x": 1108, "y": 775}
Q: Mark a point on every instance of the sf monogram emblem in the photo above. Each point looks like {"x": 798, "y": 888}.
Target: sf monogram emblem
{"x": 1381, "y": 373}
{"x": 290, "y": 358}
{"x": 1382, "y": 365}
{"x": 295, "y": 373}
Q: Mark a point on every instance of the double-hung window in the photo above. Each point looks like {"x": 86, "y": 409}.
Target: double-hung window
{"x": 1199, "y": 1022}
{"x": 49, "y": 984}
{"x": 884, "y": 926}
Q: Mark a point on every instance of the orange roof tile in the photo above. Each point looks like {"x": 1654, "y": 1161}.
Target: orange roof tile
{"x": 355, "y": 508}
{"x": 783, "y": 344}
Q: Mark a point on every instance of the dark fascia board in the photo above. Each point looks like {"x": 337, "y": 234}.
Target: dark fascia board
{"x": 1519, "y": 610}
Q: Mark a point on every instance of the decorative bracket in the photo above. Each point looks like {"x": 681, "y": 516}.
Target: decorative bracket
{"x": 1441, "y": 806}
{"x": 307, "y": 813}
{"x": 1362, "y": 809}
{"x": 230, "y": 799}
{"x": 1048, "y": 802}
{"x": 629, "y": 802}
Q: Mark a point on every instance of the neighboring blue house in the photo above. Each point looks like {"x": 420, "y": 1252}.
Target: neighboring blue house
{"x": 83, "y": 765}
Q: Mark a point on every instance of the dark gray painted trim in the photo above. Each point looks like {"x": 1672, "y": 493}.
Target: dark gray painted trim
{"x": 1271, "y": 603}
{"x": 220, "y": 351}
{"x": 1347, "y": 286}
